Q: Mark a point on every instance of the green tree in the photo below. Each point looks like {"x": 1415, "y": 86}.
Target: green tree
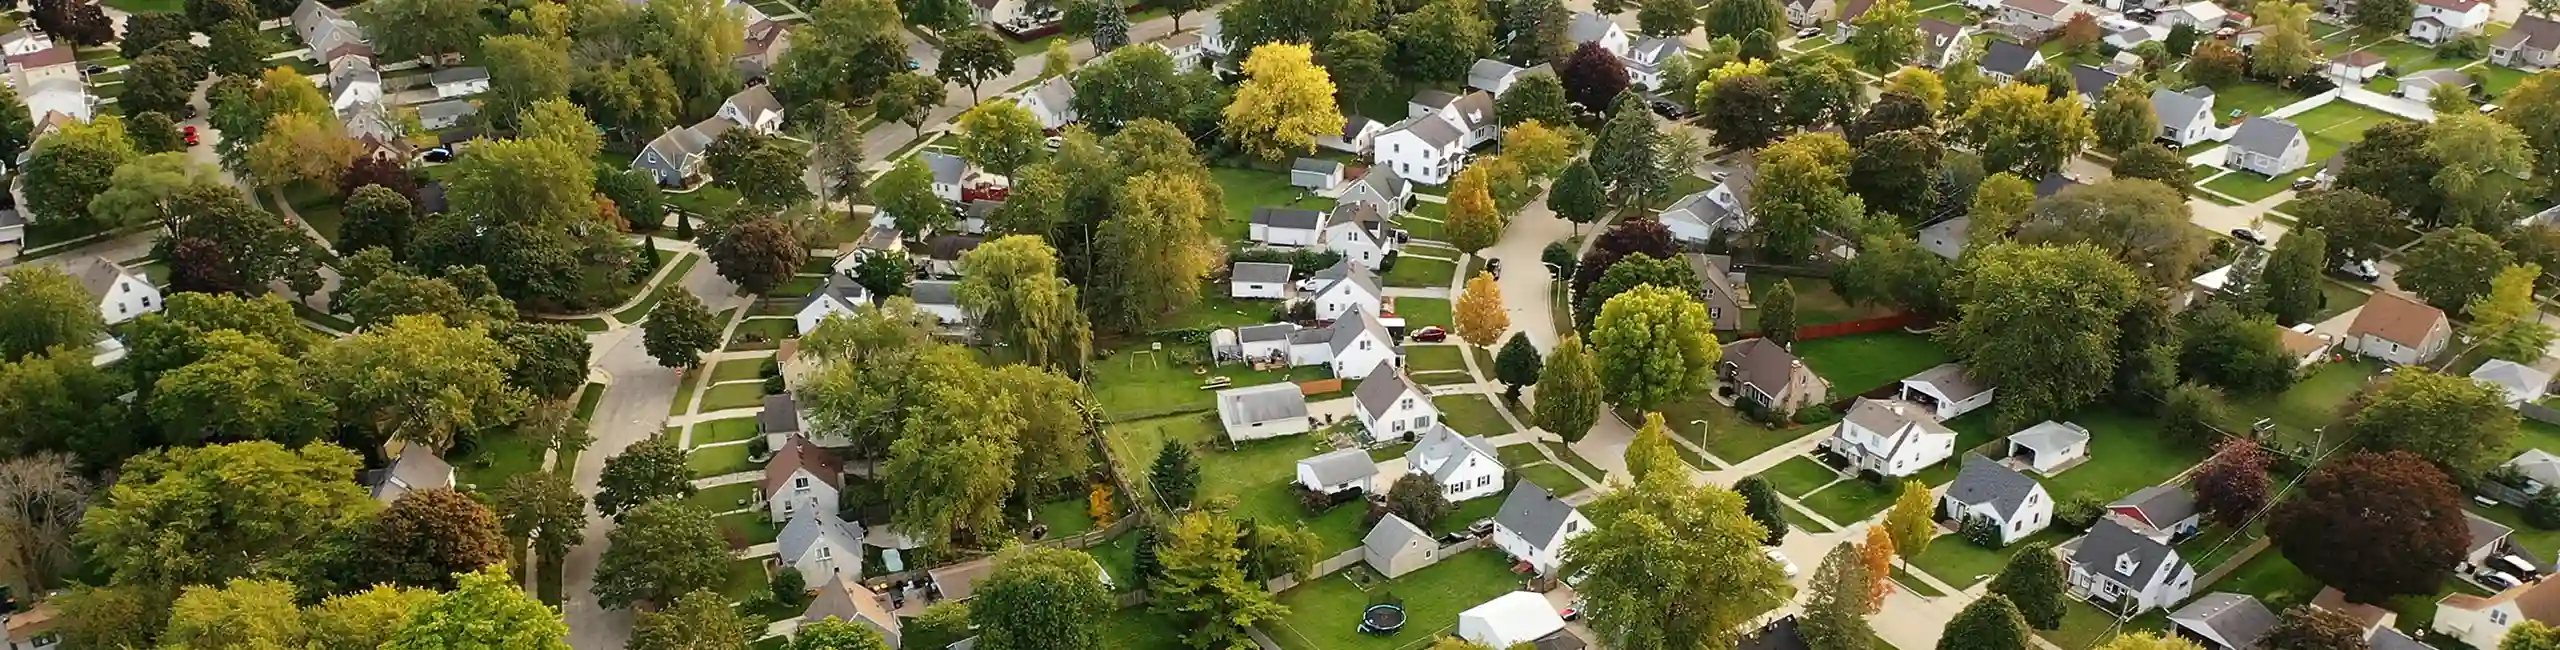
{"x": 1888, "y": 36}
{"x": 663, "y": 549}
{"x": 1898, "y": 172}
{"x": 146, "y": 190}
{"x": 1802, "y": 190}
{"x": 2124, "y": 119}
{"x": 1892, "y": 270}
{"x": 1000, "y": 136}
{"x": 836, "y": 156}
{"x": 414, "y": 28}
{"x": 1517, "y": 366}
{"x": 1569, "y": 390}
{"x": 1738, "y": 18}
{"x": 69, "y": 168}
{"x": 235, "y": 48}
{"x": 523, "y": 70}
{"x": 762, "y": 169}
{"x": 544, "y": 508}
{"x": 973, "y": 57}
{"x": 2532, "y": 107}
{"x": 1911, "y": 522}
{"x": 1356, "y": 61}
{"x": 1174, "y": 475}
{"x": 2461, "y": 426}
{"x": 757, "y": 254}
{"x": 1991, "y": 623}
{"x": 2479, "y": 163}
{"x": 47, "y": 308}
{"x": 242, "y": 388}
{"x": 2451, "y": 267}
{"x": 157, "y": 527}
{"x": 152, "y": 132}
{"x": 1666, "y": 539}
{"x": 1203, "y": 585}
{"x": 2504, "y": 322}
{"x": 2358, "y": 226}
{"x": 838, "y": 634}
{"x": 519, "y": 203}
{"x": 1285, "y": 103}
{"x": 1154, "y": 250}
{"x": 2151, "y": 161}
{"x": 1835, "y": 616}
{"x": 1011, "y": 290}
{"x": 701, "y": 620}
{"x": 17, "y": 128}
{"x": 364, "y": 619}
{"x": 376, "y": 216}
{"x": 910, "y": 98}
{"x": 1534, "y": 97}
{"x": 2239, "y": 351}
{"x": 419, "y": 380}
{"x": 1578, "y": 196}
{"x": 2018, "y": 129}
{"x": 2041, "y": 319}
{"x": 2304, "y": 627}
{"x": 1761, "y": 501}
{"x": 242, "y": 613}
{"x": 2289, "y": 49}
{"x": 2382, "y": 18}
{"x": 488, "y": 610}
{"x": 1041, "y": 598}
{"x": 645, "y": 472}
{"x": 1654, "y": 346}
{"x": 1778, "y": 313}
{"x": 906, "y": 193}
{"x": 1624, "y": 153}
{"x": 679, "y": 330}
{"x": 1439, "y": 41}
{"x": 157, "y": 82}
{"x": 2033, "y": 583}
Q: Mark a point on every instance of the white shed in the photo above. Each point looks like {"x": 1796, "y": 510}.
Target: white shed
{"x": 2050, "y": 446}
{"x": 1510, "y": 619}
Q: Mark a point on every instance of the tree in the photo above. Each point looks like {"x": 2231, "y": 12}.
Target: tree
{"x": 646, "y": 472}
{"x": 1592, "y": 76}
{"x": 2232, "y": 486}
{"x": 1745, "y": 111}
{"x": 1887, "y": 36}
{"x": 233, "y": 48}
{"x": 429, "y": 536}
{"x": 2305, "y": 627}
{"x": 1820, "y": 90}
{"x": 701, "y": 620}
{"x": 73, "y": 166}
{"x": 1761, "y": 501}
{"x": 884, "y": 275}
{"x": 1203, "y": 585}
{"x": 2451, "y": 267}
{"x": 2445, "y": 419}
{"x": 1125, "y": 86}
{"x": 1665, "y": 539}
{"x": 1518, "y": 365}
{"x": 1654, "y": 346}
{"x": 157, "y": 82}
{"x": 79, "y": 22}
{"x": 153, "y": 132}
{"x": 1284, "y": 104}
{"x": 1778, "y": 313}
{"x": 1538, "y": 149}
{"x": 414, "y": 28}
{"x": 2504, "y": 321}
{"x": 1356, "y": 62}
{"x": 250, "y": 248}
{"x": 1041, "y": 598}
{"x": 2289, "y": 47}
{"x": 1569, "y": 390}
{"x": 1911, "y": 521}
{"x": 757, "y": 254}
{"x": 242, "y": 613}
{"x": 662, "y": 550}
{"x": 1890, "y": 269}
{"x": 1154, "y": 251}
{"x": 2237, "y": 351}
{"x": 1578, "y": 196}
{"x": 1439, "y": 41}
{"x": 1835, "y": 616}
{"x": 376, "y": 216}
{"x": 1651, "y": 452}
{"x": 906, "y": 193}
{"x": 1898, "y": 172}
{"x": 47, "y": 308}
{"x": 488, "y": 610}
{"x": 910, "y": 98}
{"x": 1534, "y": 97}
{"x": 2124, "y": 119}
{"x": 838, "y": 634}
{"x": 2215, "y": 62}
{"x": 2041, "y": 319}
{"x": 1011, "y": 289}
{"x": 1418, "y": 499}
{"x": 2151, "y": 161}
{"x": 1000, "y": 136}
{"x": 1174, "y": 475}
{"x": 153, "y": 528}
{"x": 1878, "y": 553}
{"x": 2018, "y": 129}
{"x": 418, "y": 380}
{"x": 2373, "y": 525}
{"x": 241, "y": 388}
{"x": 2395, "y": 163}
{"x": 1666, "y": 18}
{"x": 2380, "y": 18}
{"x": 1474, "y": 220}
{"x": 1056, "y": 61}
{"x": 544, "y": 508}
{"x": 523, "y": 70}
{"x": 364, "y": 619}
{"x": 1738, "y": 18}
{"x": 971, "y": 57}
{"x": 2033, "y": 583}
{"x": 1990, "y": 623}
{"x": 2357, "y": 225}
{"x": 17, "y": 128}
{"x": 1802, "y": 190}
{"x": 679, "y": 330}
{"x": 2532, "y": 107}
{"x": 762, "y": 169}
{"x": 41, "y": 497}
{"x": 2480, "y": 161}
{"x": 1481, "y": 319}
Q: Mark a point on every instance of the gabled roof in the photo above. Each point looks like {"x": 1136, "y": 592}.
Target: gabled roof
{"x": 1265, "y": 403}
{"x": 781, "y": 414}
{"x": 1056, "y": 94}
{"x": 755, "y": 100}
{"x": 1393, "y": 534}
{"x": 1383, "y": 180}
{"x": 1348, "y": 329}
{"x": 2265, "y": 135}
{"x": 1283, "y": 217}
{"x": 1489, "y": 73}
{"x": 1264, "y": 332}
{"x": 1475, "y": 109}
{"x": 1383, "y": 387}
{"x": 2179, "y": 110}
{"x": 1316, "y": 165}
{"x": 1985, "y": 481}
{"x": 2090, "y": 81}
{"x": 2483, "y": 533}
{"x": 1441, "y": 450}
{"x": 2520, "y": 382}
{"x": 1533, "y": 513}
{"x": 1723, "y": 308}
{"x": 1340, "y": 466}
{"x": 458, "y": 75}
{"x": 2049, "y": 437}
{"x": 1887, "y": 417}
{"x": 2533, "y": 33}
{"x": 2538, "y": 601}
{"x": 1349, "y": 271}
{"x": 840, "y": 289}
{"x": 2456, "y": 6}
{"x": 99, "y": 276}
{"x": 947, "y": 169}
{"x": 1950, "y": 380}
{"x": 2438, "y": 78}
{"x": 2046, "y": 8}
{"x": 808, "y": 527}
{"x": 2384, "y": 637}
{"x": 447, "y": 109}
{"x": 1433, "y": 99}
{"x": 1354, "y": 125}
{"x": 1259, "y": 272}
{"x": 2231, "y": 620}
{"x": 2007, "y": 58}
{"x": 2160, "y": 505}
{"x": 1939, "y": 36}
{"x": 1589, "y": 26}
{"x": 798, "y": 454}
{"x": 2396, "y": 318}
{"x": 934, "y": 292}
{"x": 2538, "y": 465}
{"x": 950, "y": 248}
{"x": 2110, "y": 539}
{"x": 1433, "y": 130}
{"x": 1764, "y": 363}
{"x": 1696, "y": 208}
{"x": 415, "y": 469}
{"x": 846, "y": 599}
{"x": 2360, "y": 59}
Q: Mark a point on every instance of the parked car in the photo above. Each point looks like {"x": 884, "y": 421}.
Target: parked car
{"x": 2305, "y": 183}
{"x": 1784, "y": 565}
{"x": 189, "y": 134}
{"x": 2247, "y": 235}
{"x": 438, "y": 154}
{"x": 1481, "y": 527}
{"x": 1053, "y": 142}
{"x": 1809, "y": 32}
{"x": 2499, "y": 580}
{"x": 1493, "y": 266}
{"x": 95, "y": 69}
{"x": 913, "y": 64}
{"x": 1432, "y": 334}
{"x": 1668, "y": 110}
{"x": 2360, "y": 269}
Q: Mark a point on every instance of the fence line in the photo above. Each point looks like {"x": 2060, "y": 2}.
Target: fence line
{"x": 1853, "y": 328}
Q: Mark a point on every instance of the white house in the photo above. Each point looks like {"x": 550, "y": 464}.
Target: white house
{"x": 781, "y": 420}
{"x": 1351, "y": 346}
{"x": 2437, "y": 21}
{"x": 940, "y": 298}
{"x": 2203, "y": 16}
{"x": 1492, "y": 75}
{"x": 1315, "y": 174}
{"x": 2037, "y": 15}
{"x": 1052, "y": 101}
{"x": 2483, "y": 621}
{"x": 841, "y": 295}
{"x": 1258, "y": 280}
{"x": 2017, "y": 505}
{"x": 353, "y": 81}
{"x": 1278, "y": 226}
{"x": 1379, "y": 187}
{"x": 1591, "y": 27}
{"x": 2269, "y": 146}
{"x": 1338, "y": 471}
{"x": 2533, "y": 44}
{"x": 949, "y": 174}
{"x": 1942, "y": 42}
{"x": 459, "y": 82}
{"x": 1806, "y": 13}
{"x": 2397, "y": 328}
{"x": 1697, "y": 218}
{"x": 754, "y": 108}
{"x": 1645, "y": 59}
{"x": 49, "y": 82}
{"x": 2520, "y": 383}
{"x": 24, "y": 41}
{"x": 1265, "y": 342}
{"x": 1518, "y": 618}
{"x": 1357, "y": 133}
{"x": 1425, "y": 149}
{"x": 801, "y": 478}
{"x": 2424, "y": 84}
{"x": 1392, "y": 408}
{"x": 1359, "y": 232}
{"x": 2358, "y": 66}
{"x": 437, "y": 116}
{"x": 1533, "y": 526}
{"x": 1890, "y": 437}
{"x": 846, "y": 599}
{"x": 122, "y": 295}
{"x": 1945, "y": 391}
{"x": 1184, "y": 48}
{"x": 1466, "y": 466}
{"x": 1345, "y": 287}
{"x": 328, "y": 32}
{"x": 1266, "y": 411}
{"x": 2004, "y": 60}
{"x": 1471, "y": 112}
{"x": 821, "y": 547}
{"x": 2049, "y": 447}
{"x": 2185, "y": 119}
{"x": 2116, "y": 566}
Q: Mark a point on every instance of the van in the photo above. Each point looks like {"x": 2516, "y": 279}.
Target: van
{"x": 2499, "y": 580}
{"x": 2512, "y": 564}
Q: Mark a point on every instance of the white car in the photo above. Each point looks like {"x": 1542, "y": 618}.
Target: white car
{"x": 1784, "y": 565}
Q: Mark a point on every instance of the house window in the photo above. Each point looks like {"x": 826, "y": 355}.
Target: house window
{"x": 787, "y": 508}
{"x": 1482, "y": 481}
{"x": 1364, "y": 344}
{"x": 825, "y": 553}
{"x": 2124, "y": 564}
{"x": 2498, "y": 616}
{"x": 1421, "y": 422}
{"x": 1570, "y": 525}
{"x": 800, "y": 483}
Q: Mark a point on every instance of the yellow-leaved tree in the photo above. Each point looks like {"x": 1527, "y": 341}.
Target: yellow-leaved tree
{"x": 1284, "y": 104}
{"x": 1481, "y": 319}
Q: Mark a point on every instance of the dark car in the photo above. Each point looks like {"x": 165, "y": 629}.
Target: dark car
{"x": 1668, "y": 110}
{"x": 1432, "y": 334}
{"x": 2247, "y": 235}
{"x": 95, "y": 69}
{"x": 1494, "y": 267}
{"x": 439, "y": 154}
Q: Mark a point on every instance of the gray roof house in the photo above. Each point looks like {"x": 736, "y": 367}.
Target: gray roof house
{"x": 1946, "y": 390}
{"x": 1380, "y": 187}
{"x": 1767, "y": 373}
{"x": 2538, "y": 466}
{"x": 1265, "y": 272}
{"x": 674, "y": 156}
{"x": 1338, "y": 471}
{"x": 2425, "y": 84}
{"x": 820, "y": 546}
{"x": 1315, "y": 173}
{"x": 2223, "y": 621}
{"x": 2004, "y": 60}
{"x": 1266, "y": 411}
{"x": 1720, "y": 287}
{"x": 845, "y": 598}
{"x": 445, "y": 114}
{"x": 1491, "y": 75}
{"x": 328, "y": 32}
{"x": 1466, "y": 466}
{"x": 416, "y": 469}
{"x": 2090, "y": 82}
{"x": 1396, "y": 547}
{"x": 1697, "y": 216}
{"x": 2534, "y": 42}
{"x": 1533, "y": 525}
{"x": 2184, "y": 117}
{"x": 2520, "y": 383}
{"x": 1985, "y": 488}
{"x": 2049, "y": 447}
{"x": 780, "y": 417}
{"x": 2269, "y": 146}
{"x": 2115, "y": 565}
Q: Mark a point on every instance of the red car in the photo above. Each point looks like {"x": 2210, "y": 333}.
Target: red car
{"x": 189, "y": 133}
{"x": 1432, "y": 334}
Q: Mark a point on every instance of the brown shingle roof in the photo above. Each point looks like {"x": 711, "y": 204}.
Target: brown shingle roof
{"x": 2539, "y": 601}
{"x": 2299, "y": 343}
{"x": 2396, "y": 318}
{"x": 798, "y": 454}
{"x": 2360, "y": 59}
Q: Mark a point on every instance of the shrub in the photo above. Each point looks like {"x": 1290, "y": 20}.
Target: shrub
{"x": 2079, "y": 513}
{"x": 789, "y": 589}
{"x": 2468, "y": 47}
{"x": 1982, "y": 531}
{"x": 757, "y": 447}
{"x": 773, "y": 385}
{"x": 2544, "y": 510}
{"x": 1388, "y": 263}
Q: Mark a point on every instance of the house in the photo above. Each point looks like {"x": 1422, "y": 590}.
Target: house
{"x": 762, "y": 49}
{"x": 2185, "y": 119}
{"x": 2004, "y": 60}
{"x": 950, "y": 173}
{"x": 1534, "y": 524}
{"x": 1053, "y": 101}
{"x": 1846, "y": 26}
{"x": 1426, "y": 149}
{"x": 1763, "y": 372}
{"x": 2049, "y": 447}
{"x": 754, "y": 108}
{"x": 1942, "y": 42}
{"x": 353, "y": 81}
{"x": 1645, "y": 60}
{"x": 2541, "y": 469}
{"x": 25, "y": 40}
{"x": 1947, "y": 238}
{"x": 1591, "y": 27}
{"x": 1266, "y": 411}
{"x": 2307, "y": 347}
{"x": 1351, "y": 346}
{"x": 1492, "y": 75}
{"x": 1722, "y": 290}
{"x": 1013, "y": 13}
{"x": 2223, "y": 621}
{"x": 780, "y": 420}
{"x": 675, "y": 157}
{"x": 1277, "y": 226}
{"x": 1779, "y": 634}
{"x": 2036, "y": 15}
{"x": 378, "y": 135}
{"x": 13, "y": 226}
{"x": 1315, "y": 174}
{"x": 328, "y": 32}
{"x": 2425, "y": 84}
{"x": 1697, "y": 218}
{"x": 2160, "y": 512}
{"x": 1472, "y": 113}
{"x": 2358, "y": 66}
{"x": 2490, "y": 540}
{"x": 1359, "y": 232}
{"x": 2397, "y": 328}
{"x": 438, "y": 116}
{"x": 1513, "y": 619}
{"x": 2090, "y": 82}
{"x": 50, "y": 82}
{"x": 1379, "y": 187}
{"x": 1988, "y": 490}
{"x": 974, "y": 214}
{"x": 2202, "y": 16}
{"x": 2269, "y": 146}
{"x": 1392, "y": 408}
{"x": 2113, "y": 565}
{"x": 1396, "y": 547}
{"x": 940, "y": 298}
{"x": 2437, "y": 21}
{"x": 1465, "y": 466}
{"x": 122, "y": 295}
{"x": 2136, "y": 35}
{"x": 1345, "y": 287}
{"x": 942, "y": 254}
{"x": 416, "y": 468}
{"x": 1184, "y": 48}
{"x": 2483, "y": 621}
{"x": 459, "y": 82}
{"x": 1215, "y": 44}
{"x": 31, "y": 628}
{"x": 1357, "y": 133}
{"x": 2520, "y": 383}
{"x": 1338, "y": 471}
{"x": 1258, "y": 280}
{"x": 844, "y": 598}
{"x": 1808, "y": 13}
{"x": 2533, "y": 43}
{"x": 1265, "y": 342}
{"x": 840, "y": 295}
{"x": 821, "y": 547}
{"x": 1945, "y": 391}
{"x": 1890, "y": 437}
{"x": 802, "y": 477}
{"x": 2385, "y": 637}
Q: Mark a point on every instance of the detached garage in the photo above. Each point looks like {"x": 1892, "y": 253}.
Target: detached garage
{"x": 1512, "y": 619}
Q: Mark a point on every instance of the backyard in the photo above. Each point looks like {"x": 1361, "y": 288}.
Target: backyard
{"x": 1861, "y": 363}
{"x": 1325, "y": 614}
{"x": 2126, "y": 453}
{"x": 2329, "y": 128}
{"x": 1138, "y": 383}
{"x": 1258, "y": 473}
{"x": 1247, "y": 189}
{"x": 2312, "y": 404}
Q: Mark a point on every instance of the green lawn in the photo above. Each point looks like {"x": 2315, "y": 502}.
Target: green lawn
{"x": 1247, "y": 189}
{"x": 1216, "y": 309}
{"x": 725, "y": 498}
{"x": 2126, "y": 453}
{"x": 733, "y": 396}
{"x": 1799, "y": 476}
{"x": 724, "y": 430}
{"x": 1435, "y": 357}
{"x": 2405, "y": 57}
{"x": 2216, "y": 544}
{"x": 2271, "y": 578}
{"x": 1727, "y": 434}
{"x": 2249, "y": 186}
{"x": 1422, "y": 312}
{"x": 1798, "y": 519}
{"x": 1426, "y": 228}
{"x": 796, "y": 287}
{"x": 2084, "y": 626}
{"x": 1141, "y": 628}
{"x": 1953, "y": 12}
{"x": 494, "y": 457}
{"x": 1325, "y": 614}
{"x": 1549, "y": 476}
{"x": 675, "y": 283}
{"x": 1816, "y": 303}
{"x": 1960, "y": 563}
{"x": 1257, "y": 473}
{"x": 684, "y": 397}
{"x": 738, "y": 369}
{"x": 318, "y": 205}
{"x": 1903, "y": 577}
{"x": 148, "y": 6}
{"x": 1473, "y": 415}
{"x": 708, "y": 199}
{"x": 2251, "y": 98}
{"x": 2313, "y": 402}
{"x": 1564, "y": 451}
{"x": 1857, "y": 364}
{"x": 1136, "y": 384}
{"x": 1420, "y": 273}
{"x": 1443, "y": 378}
{"x": 1067, "y": 517}
{"x": 746, "y": 577}
{"x": 1849, "y": 502}
{"x": 2336, "y": 298}
{"x": 714, "y": 461}
{"x": 2496, "y": 79}
{"x": 761, "y": 333}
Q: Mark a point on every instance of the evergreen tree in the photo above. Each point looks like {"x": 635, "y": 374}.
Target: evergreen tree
{"x": 1175, "y": 476}
{"x": 1517, "y": 365}
{"x": 1778, "y": 313}
{"x": 2032, "y": 583}
{"x": 1761, "y": 502}
{"x": 1835, "y": 616}
{"x": 1990, "y": 623}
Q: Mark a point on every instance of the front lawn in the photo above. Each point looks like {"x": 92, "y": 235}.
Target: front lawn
{"x": 1425, "y": 228}
{"x": 1914, "y": 584}
{"x": 1799, "y": 476}
{"x": 729, "y": 430}
{"x": 2272, "y": 579}
{"x": 1325, "y": 614}
{"x": 2085, "y": 626}
{"x": 1471, "y": 414}
{"x": 1849, "y": 502}
{"x": 1564, "y": 451}
{"x": 148, "y": 6}
{"x": 746, "y": 578}
{"x": 761, "y": 334}
{"x": 495, "y": 456}
{"x": 708, "y": 462}
{"x": 1727, "y": 434}
{"x": 1435, "y": 357}
{"x": 733, "y": 396}
{"x": 1960, "y": 563}
{"x": 2336, "y": 298}
{"x": 1421, "y": 273}
{"x": 1953, "y": 12}
{"x": 2251, "y": 98}
{"x": 738, "y": 370}
{"x": 1422, "y": 312}
{"x": 1547, "y": 475}
{"x": 1857, "y": 364}
{"x": 2249, "y": 186}
{"x": 2496, "y": 79}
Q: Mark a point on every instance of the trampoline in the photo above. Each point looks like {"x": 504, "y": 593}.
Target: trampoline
{"x": 1383, "y": 618}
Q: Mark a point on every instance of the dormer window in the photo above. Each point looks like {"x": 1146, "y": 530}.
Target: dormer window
{"x": 2125, "y": 564}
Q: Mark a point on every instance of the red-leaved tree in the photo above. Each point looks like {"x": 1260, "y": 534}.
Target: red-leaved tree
{"x": 2374, "y": 526}
{"x": 1592, "y": 76}
{"x": 1627, "y": 237}
{"x": 2233, "y": 484}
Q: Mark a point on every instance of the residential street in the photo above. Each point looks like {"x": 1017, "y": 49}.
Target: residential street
{"x": 883, "y": 141}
